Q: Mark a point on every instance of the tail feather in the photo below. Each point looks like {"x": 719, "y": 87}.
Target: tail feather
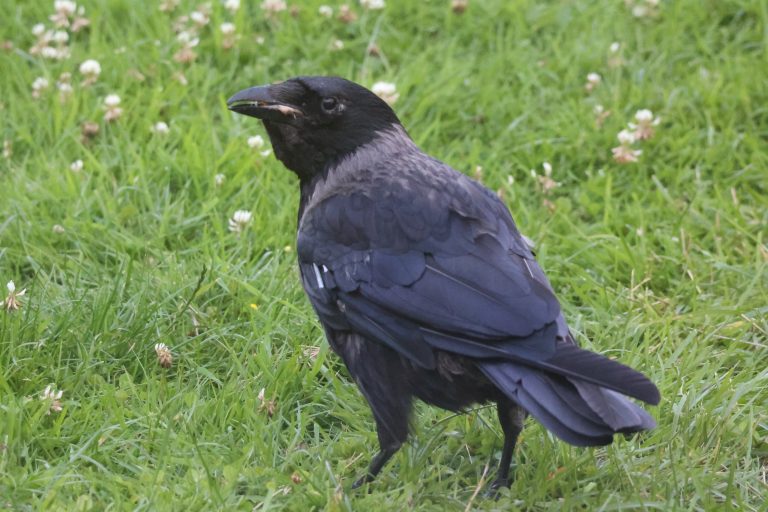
{"x": 572, "y": 361}
{"x": 549, "y": 411}
{"x": 564, "y": 358}
{"x": 553, "y": 396}
{"x": 616, "y": 411}
{"x": 578, "y": 412}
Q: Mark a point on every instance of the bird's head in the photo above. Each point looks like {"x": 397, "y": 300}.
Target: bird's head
{"x": 315, "y": 121}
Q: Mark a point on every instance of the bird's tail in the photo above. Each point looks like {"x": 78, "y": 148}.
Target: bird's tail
{"x": 576, "y": 411}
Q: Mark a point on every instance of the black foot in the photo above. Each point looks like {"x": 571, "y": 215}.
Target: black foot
{"x": 359, "y": 483}
{"x": 494, "y": 490}
{"x": 377, "y": 463}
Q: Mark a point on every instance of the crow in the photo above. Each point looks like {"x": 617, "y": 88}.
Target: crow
{"x": 424, "y": 285}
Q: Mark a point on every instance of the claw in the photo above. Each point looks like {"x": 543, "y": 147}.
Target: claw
{"x": 361, "y": 482}
{"x": 494, "y": 490}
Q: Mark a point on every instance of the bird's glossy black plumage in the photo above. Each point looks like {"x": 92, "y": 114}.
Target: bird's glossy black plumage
{"x": 422, "y": 281}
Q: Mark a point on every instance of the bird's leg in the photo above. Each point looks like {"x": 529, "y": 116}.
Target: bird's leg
{"x": 377, "y": 463}
{"x": 511, "y": 417}
{"x": 392, "y": 429}
{"x": 389, "y": 398}
{"x": 391, "y": 438}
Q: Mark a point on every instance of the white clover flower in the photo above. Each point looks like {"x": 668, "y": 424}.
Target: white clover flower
{"x": 240, "y": 219}
{"x": 623, "y": 153}
{"x": 228, "y": 31}
{"x": 188, "y": 39}
{"x": 76, "y": 166}
{"x": 58, "y": 229}
{"x": 626, "y": 137}
{"x": 614, "y": 55}
{"x": 169, "y": 5}
{"x": 273, "y": 6}
{"x": 600, "y": 114}
{"x": 60, "y": 37}
{"x": 46, "y": 37}
{"x": 63, "y": 82}
{"x": 39, "y": 85}
{"x": 643, "y": 116}
{"x": 227, "y": 28}
{"x": 593, "y": 80}
{"x": 337, "y": 44}
{"x": 49, "y": 52}
{"x": 66, "y": 7}
{"x": 346, "y": 14}
{"x": 50, "y": 395}
{"x": 111, "y": 103}
{"x": 326, "y": 11}
{"x": 164, "y": 355}
{"x": 459, "y": 6}
{"x": 232, "y": 5}
{"x": 90, "y": 67}
{"x": 218, "y": 180}
{"x": 643, "y": 127}
{"x": 373, "y": 5}
{"x": 200, "y": 19}
{"x": 160, "y": 128}
{"x": 643, "y": 8}
{"x": 384, "y": 88}
{"x": 112, "y": 100}
{"x": 11, "y": 302}
{"x": 386, "y": 91}
{"x": 38, "y": 29}
{"x": 80, "y": 23}
{"x": 256, "y": 141}
{"x": 546, "y": 182}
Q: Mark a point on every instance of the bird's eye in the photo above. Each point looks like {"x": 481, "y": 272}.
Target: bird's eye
{"x": 329, "y": 104}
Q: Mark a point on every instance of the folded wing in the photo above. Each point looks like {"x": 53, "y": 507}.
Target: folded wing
{"x": 468, "y": 286}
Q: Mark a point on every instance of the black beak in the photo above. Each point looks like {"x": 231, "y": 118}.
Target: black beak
{"x": 259, "y": 102}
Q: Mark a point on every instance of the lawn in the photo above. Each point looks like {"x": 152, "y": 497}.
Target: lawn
{"x": 120, "y": 179}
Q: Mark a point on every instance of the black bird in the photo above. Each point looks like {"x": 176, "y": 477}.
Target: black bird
{"x": 423, "y": 283}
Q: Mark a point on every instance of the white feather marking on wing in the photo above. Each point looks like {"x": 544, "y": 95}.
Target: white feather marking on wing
{"x": 526, "y": 266}
{"x": 319, "y": 278}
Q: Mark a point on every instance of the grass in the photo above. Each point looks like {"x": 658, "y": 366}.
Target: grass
{"x": 662, "y": 263}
